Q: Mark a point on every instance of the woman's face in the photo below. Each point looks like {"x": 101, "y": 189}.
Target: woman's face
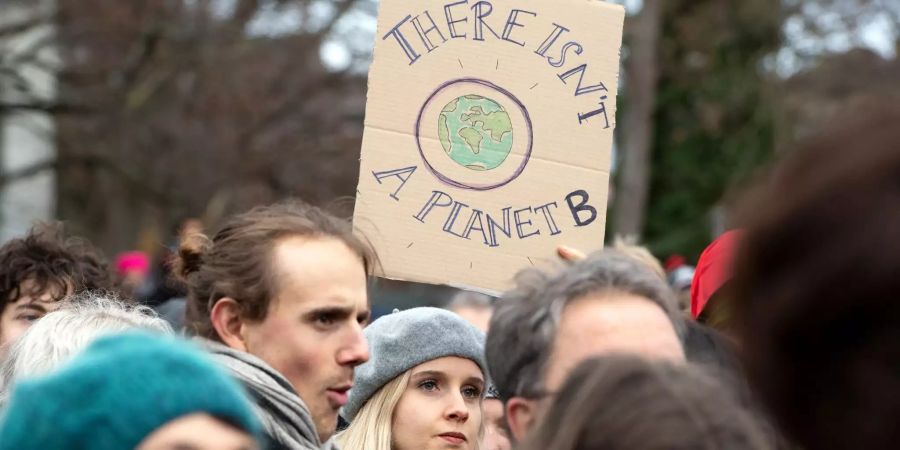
{"x": 441, "y": 406}
{"x": 198, "y": 432}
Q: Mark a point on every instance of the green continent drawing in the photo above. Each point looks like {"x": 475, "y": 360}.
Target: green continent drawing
{"x": 475, "y": 132}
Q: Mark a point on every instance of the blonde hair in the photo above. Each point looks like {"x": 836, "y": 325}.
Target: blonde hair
{"x": 371, "y": 429}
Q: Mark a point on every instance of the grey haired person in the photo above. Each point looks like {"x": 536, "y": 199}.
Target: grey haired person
{"x": 609, "y": 302}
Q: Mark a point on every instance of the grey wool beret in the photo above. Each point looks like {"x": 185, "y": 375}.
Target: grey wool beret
{"x": 403, "y": 340}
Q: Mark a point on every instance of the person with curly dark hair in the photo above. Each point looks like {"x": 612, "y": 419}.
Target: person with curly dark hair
{"x": 41, "y": 268}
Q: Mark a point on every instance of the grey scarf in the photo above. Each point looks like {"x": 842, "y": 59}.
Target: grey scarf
{"x": 285, "y": 418}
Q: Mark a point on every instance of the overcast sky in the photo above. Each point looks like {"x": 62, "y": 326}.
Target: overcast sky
{"x": 355, "y": 33}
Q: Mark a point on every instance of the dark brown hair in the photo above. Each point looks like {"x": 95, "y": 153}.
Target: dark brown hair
{"x": 237, "y": 262}
{"x": 818, "y": 286}
{"x": 622, "y": 402}
{"x": 53, "y": 263}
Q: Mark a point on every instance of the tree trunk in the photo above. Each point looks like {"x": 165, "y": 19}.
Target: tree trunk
{"x": 641, "y": 75}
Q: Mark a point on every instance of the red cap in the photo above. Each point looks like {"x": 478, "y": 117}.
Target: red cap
{"x": 713, "y": 269}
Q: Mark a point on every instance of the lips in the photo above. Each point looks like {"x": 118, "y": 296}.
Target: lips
{"x": 338, "y": 396}
{"x": 453, "y": 437}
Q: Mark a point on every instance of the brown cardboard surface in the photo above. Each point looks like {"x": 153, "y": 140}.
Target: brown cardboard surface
{"x": 500, "y": 108}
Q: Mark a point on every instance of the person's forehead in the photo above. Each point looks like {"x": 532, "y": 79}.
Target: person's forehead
{"x": 50, "y": 283}
{"x": 615, "y": 321}
{"x": 299, "y": 262}
{"x": 298, "y": 255}
{"x": 44, "y": 301}
{"x": 451, "y": 366}
{"x": 609, "y": 305}
{"x": 620, "y": 324}
{"x": 30, "y": 293}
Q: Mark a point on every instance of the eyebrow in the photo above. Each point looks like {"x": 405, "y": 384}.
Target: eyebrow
{"x": 475, "y": 380}
{"x": 337, "y": 312}
{"x": 31, "y": 307}
{"x": 429, "y": 374}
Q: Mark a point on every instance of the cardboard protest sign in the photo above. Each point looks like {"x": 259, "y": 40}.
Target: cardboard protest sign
{"x": 488, "y": 132}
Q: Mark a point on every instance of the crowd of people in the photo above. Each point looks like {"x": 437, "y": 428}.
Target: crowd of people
{"x": 786, "y": 336}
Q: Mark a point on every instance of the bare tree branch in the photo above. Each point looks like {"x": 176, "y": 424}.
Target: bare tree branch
{"x": 342, "y": 7}
{"x": 54, "y": 108}
{"x": 9, "y": 30}
{"x": 57, "y": 164}
{"x": 244, "y": 10}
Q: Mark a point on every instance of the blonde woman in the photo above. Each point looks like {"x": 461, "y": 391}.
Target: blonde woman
{"x": 423, "y": 386}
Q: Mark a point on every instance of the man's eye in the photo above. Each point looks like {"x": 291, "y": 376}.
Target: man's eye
{"x": 324, "y": 319}
{"x": 29, "y": 317}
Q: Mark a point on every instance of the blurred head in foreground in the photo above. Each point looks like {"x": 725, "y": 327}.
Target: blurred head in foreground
{"x": 817, "y": 283}
{"x": 131, "y": 391}
{"x": 628, "y": 403}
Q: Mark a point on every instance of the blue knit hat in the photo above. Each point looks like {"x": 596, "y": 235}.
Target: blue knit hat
{"x": 117, "y": 392}
{"x": 403, "y": 340}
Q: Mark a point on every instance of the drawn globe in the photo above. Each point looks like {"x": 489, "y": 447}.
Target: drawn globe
{"x": 476, "y": 132}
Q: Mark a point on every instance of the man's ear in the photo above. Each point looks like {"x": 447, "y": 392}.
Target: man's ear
{"x": 226, "y": 319}
{"x": 521, "y": 416}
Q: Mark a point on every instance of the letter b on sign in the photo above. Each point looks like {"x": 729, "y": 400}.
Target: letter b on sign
{"x": 581, "y": 209}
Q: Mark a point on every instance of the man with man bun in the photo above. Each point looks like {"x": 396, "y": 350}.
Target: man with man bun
{"x": 280, "y": 294}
